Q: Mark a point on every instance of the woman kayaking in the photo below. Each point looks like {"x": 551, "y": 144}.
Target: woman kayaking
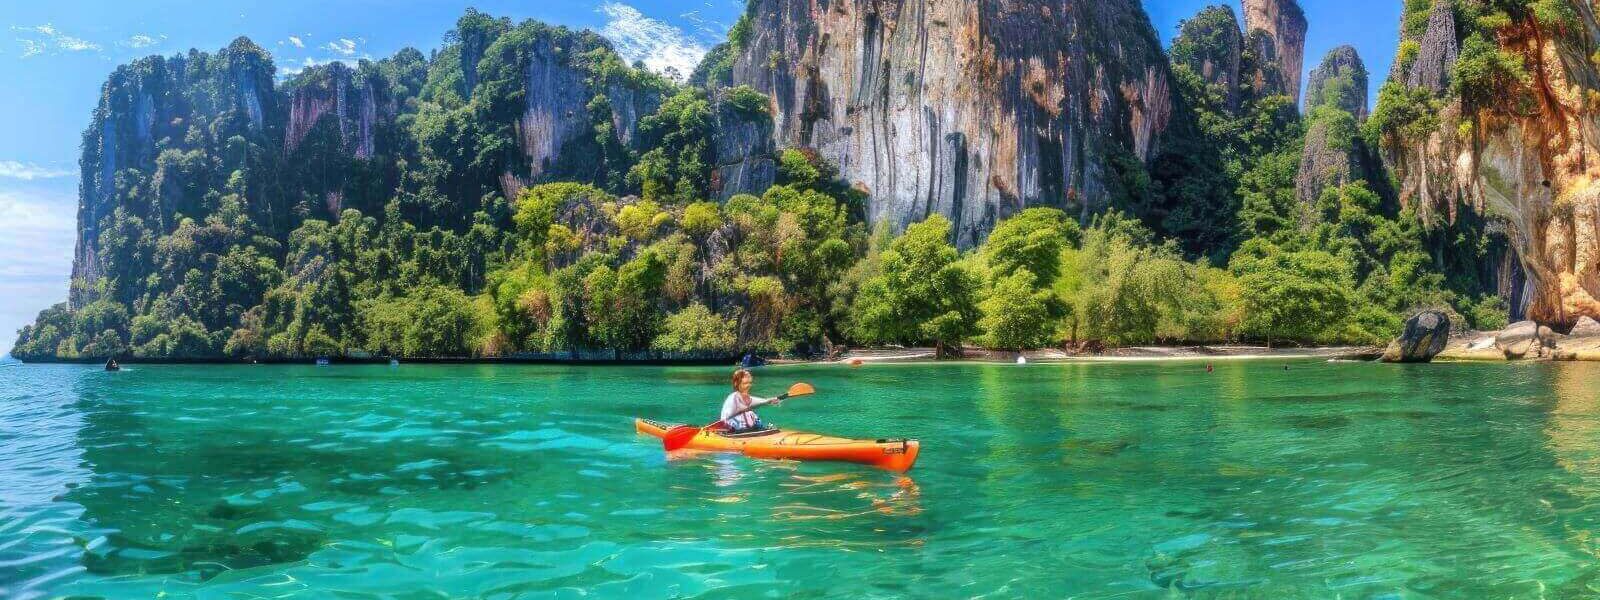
{"x": 894, "y": 454}
{"x": 734, "y": 409}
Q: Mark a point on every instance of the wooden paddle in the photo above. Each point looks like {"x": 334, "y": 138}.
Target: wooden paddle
{"x": 679, "y": 436}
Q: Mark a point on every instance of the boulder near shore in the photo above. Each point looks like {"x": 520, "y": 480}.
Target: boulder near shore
{"x": 1423, "y": 338}
{"x": 1528, "y": 340}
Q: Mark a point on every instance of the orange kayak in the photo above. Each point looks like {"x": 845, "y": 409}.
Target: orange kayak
{"x": 895, "y": 455}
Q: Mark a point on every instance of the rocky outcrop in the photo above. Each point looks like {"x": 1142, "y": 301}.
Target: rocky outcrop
{"x": 1525, "y": 155}
{"x": 1424, "y": 336}
{"x": 1437, "y": 50}
{"x": 1340, "y": 81}
{"x": 1265, "y": 75}
{"x": 742, "y": 150}
{"x": 1283, "y": 24}
{"x": 1586, "y": 328}
{"x": 1522, "y": 338}
{"x": 973, "y": 109}
{"x": 338, "y": 92}
{"x": 1335, "y": 153}
{"x": 142, "y": 104}
{"x": 558, "y": 83}
{"x": 629, "y": 104}
{"x": 1210, "y": 44}
{"x": 553, "y": 113}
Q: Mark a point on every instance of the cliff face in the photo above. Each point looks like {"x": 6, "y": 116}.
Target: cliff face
{"x": 742, "y": 151}
{"x": 351, "y": 101}
{"x": 554, "y": 112}
{"x": 1334, "y": 152}
{"x": 1211, "y": 45}
{"x": 1339, "y": 81}
{"x": 972, "y": 109}
{"x": 559, "y": 73}
{"x": 1281, "y": 40}
{"x": 148, "y": 101}
{"x": 1526, "y": 155}
{"x": 1437, "y": 53}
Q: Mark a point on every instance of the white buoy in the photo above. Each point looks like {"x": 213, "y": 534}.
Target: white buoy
{"x": 1022, "y": 360}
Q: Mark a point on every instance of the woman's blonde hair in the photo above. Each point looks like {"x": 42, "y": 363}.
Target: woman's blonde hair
{"x": 739, "y": 375}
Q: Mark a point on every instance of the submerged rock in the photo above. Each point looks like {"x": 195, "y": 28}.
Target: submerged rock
{"x": 1423, "y": 338}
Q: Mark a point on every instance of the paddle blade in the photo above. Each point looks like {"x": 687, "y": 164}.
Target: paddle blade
{"x": 801, "y": 389}
{"x": 678, "y": 437}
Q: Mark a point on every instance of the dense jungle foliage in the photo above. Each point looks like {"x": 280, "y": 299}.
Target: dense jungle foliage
{"x": 232, "y": 239}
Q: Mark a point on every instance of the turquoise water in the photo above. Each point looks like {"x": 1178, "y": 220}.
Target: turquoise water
{"x": 1328, "y": 480}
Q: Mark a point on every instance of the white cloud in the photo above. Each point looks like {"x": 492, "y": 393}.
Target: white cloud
{"x": 344, "y": 46}
{"x": 37, "y": 232}
{"x": 296, "y": 41}
{"x": 31, "y": 48}
{"x": 28, "y": 171}
{"x": 708, "y": 29}
{"x": 658, "y": 44}
{"x": 36, "y": 211}
{"x": 39, "y": 39}
{"x": 143, "y": 41}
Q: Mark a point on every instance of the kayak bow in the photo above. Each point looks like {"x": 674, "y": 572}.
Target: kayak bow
{"x": 893, "y": 454}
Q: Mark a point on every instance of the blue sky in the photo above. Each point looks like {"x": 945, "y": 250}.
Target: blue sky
{"x": 55, "y": 55}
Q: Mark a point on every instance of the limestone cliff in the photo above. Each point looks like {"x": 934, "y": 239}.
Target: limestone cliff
{"x": 1211, "y": 45}
{"x": 336, "y": 91}
{"x": 1334, "y": 153}
{"x": 558, "y": 74}
{"x": 1437, "y": 51}
{"x": 972, "y": 109}
{"x": 146, "y": 105}
{"x": 1281, "y": 39}
{"x": 1340, "y": 81}
{"x": 1519, "y": 149}
{"x": 742, "y": 149}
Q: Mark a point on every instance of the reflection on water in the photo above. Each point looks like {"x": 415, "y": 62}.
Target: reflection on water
{"x": 1149, "y": 480}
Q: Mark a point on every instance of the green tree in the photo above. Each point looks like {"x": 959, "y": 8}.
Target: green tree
{"x": 1294, "y": 296}
{"x": 923, "y": 293}
{"x": 1033, "y": 240}
{"x": 697, "y": 329}
{"x": 700, "y": 219}
{"x": 443, "y": 323}
{"x": 1016, "y": 314}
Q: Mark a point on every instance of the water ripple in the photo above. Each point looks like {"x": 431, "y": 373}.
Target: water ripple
{"x": 1144, "y": 480}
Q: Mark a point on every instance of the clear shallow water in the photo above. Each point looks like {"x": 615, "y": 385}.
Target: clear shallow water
{"x": 1087, "y": 480}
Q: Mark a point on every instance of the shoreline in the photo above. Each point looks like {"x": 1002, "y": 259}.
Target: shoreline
{"x": 854, "y": 357}
{"x": 1125, "y": 354}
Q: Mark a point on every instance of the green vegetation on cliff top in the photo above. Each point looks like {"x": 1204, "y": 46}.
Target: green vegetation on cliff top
{"x": 219, "y": 244}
